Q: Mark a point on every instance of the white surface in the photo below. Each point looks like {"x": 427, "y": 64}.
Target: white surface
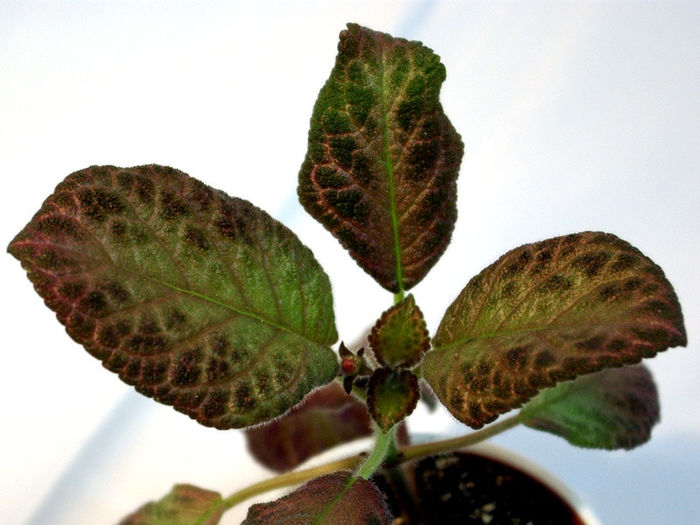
{"x": 575, "y": 116}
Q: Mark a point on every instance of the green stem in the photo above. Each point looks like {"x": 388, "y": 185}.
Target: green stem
{"x": 450, "y": 445}
{"x": 376, "y": 458}
{"x": 291, "y": 478}
{"x": 373, "y": 462}
{"x": 392, "y": 454}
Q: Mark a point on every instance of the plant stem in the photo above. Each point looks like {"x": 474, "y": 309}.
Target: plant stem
{"x": 392, "y": 454}
{"x": 375, "y": 459}
{"x": 449, "y": 445}
{"x": 373, "y": 462}
{"x": 291, "y": 478}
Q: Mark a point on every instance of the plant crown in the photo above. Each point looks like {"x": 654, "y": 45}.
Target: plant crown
{"x": 206, "y": 303}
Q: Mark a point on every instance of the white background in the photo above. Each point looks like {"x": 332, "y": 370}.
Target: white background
{"x": 575, "y": 116}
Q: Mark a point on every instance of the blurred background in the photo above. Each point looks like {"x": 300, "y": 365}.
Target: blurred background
{"x": 575, "y": 116}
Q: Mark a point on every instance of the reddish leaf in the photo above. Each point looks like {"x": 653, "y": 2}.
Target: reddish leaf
{"x": 201, "y": 301}
{"x": 548, "y": 312}
{"x": 326, "y": 418}
{"x": 392, "y": 396}
{"x": 184, "y": 505}
{"x": 333, "y": 499}
{"x": 400, "y": 337}
{"x": 381, "y": 167}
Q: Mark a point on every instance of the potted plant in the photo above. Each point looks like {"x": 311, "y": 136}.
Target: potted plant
{"x": 204, "y": 302}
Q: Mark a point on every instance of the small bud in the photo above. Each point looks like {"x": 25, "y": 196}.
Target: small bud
{"x": 349, "y": 365}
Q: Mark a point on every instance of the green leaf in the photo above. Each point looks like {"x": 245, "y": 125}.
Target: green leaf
{"x": 400, "y": 338}
{"x": 331, "y": 499}
{"x": 548, "y": 312}
{"x": 382, "y": 161}
{"x": 392, "y": 396}
{"x": 184, "y": 505}
{"x": 615, "y": 408}
{"x": 326, "y": 418}
{"x": 199, "y": 300}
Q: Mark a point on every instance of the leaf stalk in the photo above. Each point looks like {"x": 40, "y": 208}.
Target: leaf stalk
{"x": 376, "y": 458}
{"x": 369, "y": 464}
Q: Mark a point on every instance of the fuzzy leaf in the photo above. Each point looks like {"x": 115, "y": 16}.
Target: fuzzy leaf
{"x": 324, "y": 500}
{"x": 382, "y": 161}
{"x": 611, "y": 409}
{"x": 199, "y": 300}
{"x": 184, "y": 505}
{"x": 392, "y": 396}
{"x": 400, "y": 337}
{"x": 326, "y": 418}
{"x": 548, "y": 312}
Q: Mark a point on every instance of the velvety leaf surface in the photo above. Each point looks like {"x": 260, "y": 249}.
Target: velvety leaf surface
{"x": 184, "y": 505}
{"x": 548, "y": 312}
{"x": 382, "y": 161}
{"x": 324, "y": 500}
{"x": 614, "y": 408}
{"x": 392, "y": 396}
{"x": 327, "y": 417}
{"x": 400, "y": 337}
{"x": 199, "y": 300}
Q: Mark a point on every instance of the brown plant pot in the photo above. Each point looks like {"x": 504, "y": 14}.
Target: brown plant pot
{"x": 484, "y": 485}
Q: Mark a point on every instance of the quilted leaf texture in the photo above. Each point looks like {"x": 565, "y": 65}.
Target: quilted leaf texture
{"x": 382, "y": 162}
{"x": 200, "y": 300}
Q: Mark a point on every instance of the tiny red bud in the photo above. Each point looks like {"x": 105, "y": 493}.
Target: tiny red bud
{"x": 348, "y": 365}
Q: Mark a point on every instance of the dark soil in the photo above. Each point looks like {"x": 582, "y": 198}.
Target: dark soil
{"x": 468, "y": 489}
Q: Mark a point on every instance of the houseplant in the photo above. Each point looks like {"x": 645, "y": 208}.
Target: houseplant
{"x": 206, "y": 303}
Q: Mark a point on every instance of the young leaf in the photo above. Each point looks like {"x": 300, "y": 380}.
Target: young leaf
{"x": 614, "y": 408}
{"x": 331, "y": 499}
{"x": 184, "y": 505}
{"x": 382, "y": 161}
{"x": 199, "y": 300}
{"x": 400, "y": 337}
{"x": 548, "y": 312}
{"x": 392, "y": 396}
{"x": 326, "y": 418}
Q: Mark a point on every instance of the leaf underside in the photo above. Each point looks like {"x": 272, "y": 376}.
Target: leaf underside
{"x": 199, "y": 300}
{"x": 400, "y": 337}
{"x": 611, "y": 409}
{"x": 326, "y": 418}
{"x": 548, "y": 312}
{"x": 184, "y": 505}
{"x": 382, "y": 161}
{"x": 324, "y": 500}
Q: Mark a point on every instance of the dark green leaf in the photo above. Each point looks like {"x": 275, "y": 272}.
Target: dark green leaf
{"x": 548, "y": 312}
{"x": 614, "y": 408}
{"x": 199, "y": 300}
{"x": 327, "y": 417}
{"x": 400, "y": 338}
{"x": 184, "y": 505}
{"x": 391, "y": 396}
{"x": 382, "y": 161}
{"x": 334, "y": 499}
